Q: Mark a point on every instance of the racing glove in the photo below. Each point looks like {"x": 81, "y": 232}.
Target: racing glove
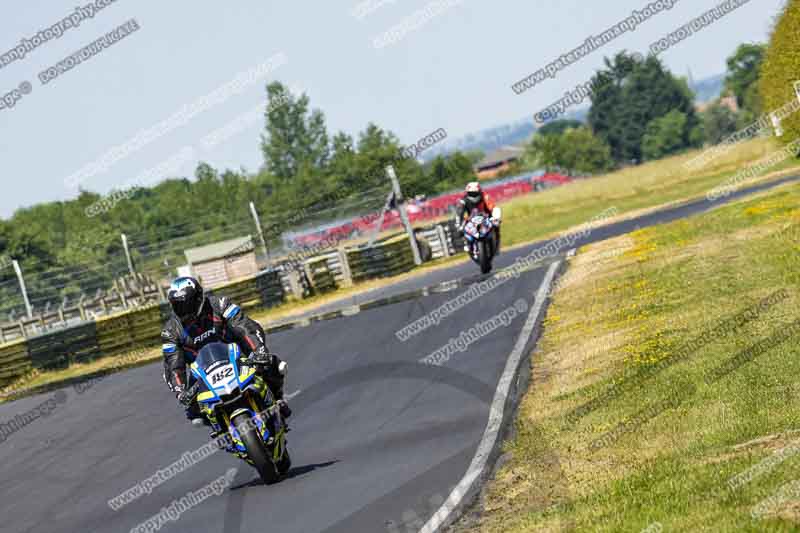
{"x": 272, "y": 364}
{"x": 186, "y": 396}
{"x": 261, "y": 357}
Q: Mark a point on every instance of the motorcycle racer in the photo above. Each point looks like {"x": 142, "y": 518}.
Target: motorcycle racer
{"x": 197, "y": 320}
{"x": 476, "y": 200}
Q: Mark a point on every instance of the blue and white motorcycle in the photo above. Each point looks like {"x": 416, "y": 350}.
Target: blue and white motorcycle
{"x": 236, "y": 400}
{"x": 481, "y": 236}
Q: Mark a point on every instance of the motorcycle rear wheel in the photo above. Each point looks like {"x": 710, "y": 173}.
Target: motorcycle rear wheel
{"x": 255, "y": 448}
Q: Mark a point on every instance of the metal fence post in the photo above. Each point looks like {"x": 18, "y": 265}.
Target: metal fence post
{"x": 128, "y": 254}
{"x": 22, "y": 288}
{"x": 260, "y": 231}
{"x": 403, "y": 215}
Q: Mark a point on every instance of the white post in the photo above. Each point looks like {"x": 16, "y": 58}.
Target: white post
{"x": 128, "y": 254}
{"x": 776, "y": 124}
{"x": 23, "y": 289}
{"x": 403, "y": 215}
{"x": 345, "y": 266}
{"x": 260, "y": 231}
{"x": 294, "y": 282}
{"x": 443, "y": 240}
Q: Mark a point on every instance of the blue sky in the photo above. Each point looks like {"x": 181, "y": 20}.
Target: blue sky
{"x": 454, "y": 71}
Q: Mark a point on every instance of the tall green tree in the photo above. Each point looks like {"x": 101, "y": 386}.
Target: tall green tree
{"x": 719, "y": 122}
{"x": 377, "y": 148}
{"x": 576, "y": 151}
{"x": 447, "y": 173}
{"x": 628, "y": 95}
{"x": 608, "y": 102}
{"x": 664, "y": 136}
{"x": 545, "y": 151}
{"x": 780, "y": 68}
{"x": 294, "y": 135}
{"x": 742, "y": 77}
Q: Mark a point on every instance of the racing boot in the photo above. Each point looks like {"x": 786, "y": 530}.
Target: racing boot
{"x": 194, "y": 415}
{"x": 273, "y": 371}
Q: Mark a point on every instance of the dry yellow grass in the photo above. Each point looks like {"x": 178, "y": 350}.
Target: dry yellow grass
{"x": 625, "y": 304}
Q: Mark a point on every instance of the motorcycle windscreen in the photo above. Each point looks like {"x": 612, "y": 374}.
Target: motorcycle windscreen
{"x": 212, "y": 353}
{"x": 216, "y": 371}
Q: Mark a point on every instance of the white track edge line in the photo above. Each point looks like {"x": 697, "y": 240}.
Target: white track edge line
{"x": 490, "y": 435}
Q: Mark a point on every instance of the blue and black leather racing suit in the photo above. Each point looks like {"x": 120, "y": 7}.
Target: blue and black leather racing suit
{"x": 219, "y": 320}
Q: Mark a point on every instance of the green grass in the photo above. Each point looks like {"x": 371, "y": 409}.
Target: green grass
{"x": 616, "y": 315}
{"x": 630, "y": 190}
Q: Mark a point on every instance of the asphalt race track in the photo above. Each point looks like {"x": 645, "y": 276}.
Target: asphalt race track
{"x": 379, "y": 439}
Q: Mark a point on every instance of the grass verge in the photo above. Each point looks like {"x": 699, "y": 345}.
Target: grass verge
{"x": 654, "y": 402}
{"x": 632, "y": 191}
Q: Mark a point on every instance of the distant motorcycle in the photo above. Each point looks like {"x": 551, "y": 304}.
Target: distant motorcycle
{"x": 480, "y": 232}
{"x": 237, "y": 401}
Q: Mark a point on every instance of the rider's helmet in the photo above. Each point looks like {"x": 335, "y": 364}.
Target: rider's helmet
{"x": 185, "y": 296}
{"x": 474, "y": 193}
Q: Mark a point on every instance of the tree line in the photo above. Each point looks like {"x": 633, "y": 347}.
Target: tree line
{"x": 640, "y": 112}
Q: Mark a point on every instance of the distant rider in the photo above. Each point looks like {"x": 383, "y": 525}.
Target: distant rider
{"x": 197, "y": 320}
{"x": 476, "y": 201}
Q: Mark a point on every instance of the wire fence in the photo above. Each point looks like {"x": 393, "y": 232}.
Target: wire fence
{"x": 158, "y": 255}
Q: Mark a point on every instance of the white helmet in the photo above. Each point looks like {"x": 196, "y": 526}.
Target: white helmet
{"x": 474, "y": 191}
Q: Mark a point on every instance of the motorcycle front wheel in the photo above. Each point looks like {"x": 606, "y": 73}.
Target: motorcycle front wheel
{"x": 255, "y": 448}
{"x": 285, "y": 463}
{"x": 484, "y": 257}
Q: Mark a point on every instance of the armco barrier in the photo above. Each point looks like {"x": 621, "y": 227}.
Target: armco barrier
{"x": 389, "y": 258}
{"x": 271, "y": 289}
{"x": 454, "y": 236}
{"x": 75, "y": 344}
{"x": 128, "y": 331}
{"x": 14, "y": 362}
{"x": 121, "y": 333}
{"x": 244, "y": 293}
{"x": 263, "y": 291}
{"x": 320, "y": 274}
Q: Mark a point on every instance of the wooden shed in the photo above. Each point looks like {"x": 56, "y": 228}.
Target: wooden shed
{"x": 222, "y": 262}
